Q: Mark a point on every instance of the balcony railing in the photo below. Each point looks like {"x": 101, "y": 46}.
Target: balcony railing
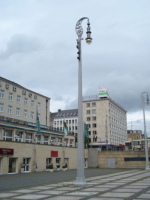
{"x": 25, "y": 123}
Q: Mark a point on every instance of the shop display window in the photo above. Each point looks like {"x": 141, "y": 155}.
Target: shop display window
{"x": 19, "y": 136}
{"x": 46, "y": 140}
{"x": 38, "y": 139}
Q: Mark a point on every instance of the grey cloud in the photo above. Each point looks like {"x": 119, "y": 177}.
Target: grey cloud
{"x": 21, "y": 44}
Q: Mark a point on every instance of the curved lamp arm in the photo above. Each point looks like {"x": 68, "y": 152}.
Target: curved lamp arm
{"x": 79, "y": 30}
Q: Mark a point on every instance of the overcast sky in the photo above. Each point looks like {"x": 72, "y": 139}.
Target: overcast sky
{"x": 38, "y": 50}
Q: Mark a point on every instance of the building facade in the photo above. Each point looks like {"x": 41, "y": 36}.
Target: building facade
{"x": 105, "y": 118}
{"x": 107, "y": 122}
{"x": 69, "y": 116}
{"x": 20, "y": 143}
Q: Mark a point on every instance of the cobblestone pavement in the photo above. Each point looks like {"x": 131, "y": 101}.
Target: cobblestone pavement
{"x": 129, "y": 184}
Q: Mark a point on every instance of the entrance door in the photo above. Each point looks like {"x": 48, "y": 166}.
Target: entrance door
{"x": 111, "y": 163}
{"x": 26, "y": 164}
{"x": 12, "y": 165}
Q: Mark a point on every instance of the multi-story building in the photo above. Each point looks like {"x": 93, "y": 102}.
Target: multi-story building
{"x": 69, "y": 116}
{"x": 106, "y": 120}
{"x": 20, "y": 143}
{"x": 135, "y": 140}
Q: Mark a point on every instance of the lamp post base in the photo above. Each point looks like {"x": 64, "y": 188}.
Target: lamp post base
{"x": 147, "y": 168}
{"x": 80, "y": 181}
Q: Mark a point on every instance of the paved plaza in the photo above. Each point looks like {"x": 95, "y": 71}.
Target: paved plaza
{"x": 126, "y": 184}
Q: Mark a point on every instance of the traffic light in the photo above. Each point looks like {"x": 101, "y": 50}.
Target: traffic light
{"x": 78, "y": 47}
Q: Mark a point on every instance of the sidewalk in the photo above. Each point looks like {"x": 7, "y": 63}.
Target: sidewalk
{"x": 133, "y": 184}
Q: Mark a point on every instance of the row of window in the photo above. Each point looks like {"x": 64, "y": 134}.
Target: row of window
{"x": 17, "y": 111}
{"x": 19, "y": 99}
{"x": 89, "y": 111}
{"x": 89, "y": 104}
{"x": 94, "y": 132}
{"x": 61, "y": 122}
{"x": 62, "y": 128}
{"x": 93, "y": 118}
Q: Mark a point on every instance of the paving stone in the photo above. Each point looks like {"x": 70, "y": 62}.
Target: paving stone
{"x": 41, "y": 188}
{"x": 31, "y": 196}
{"x": 95, "y": 189}
{"x": 51, "y": 192}
{"x": 4, "y": 195}
{"x": 127, "y": 190}
{"x": 65, "y": 198}
{"x": 106, "y": 185}
{"x": 135, "y": 186}
{"x": 66, "y": 188}
{"x": 111, "y": 194}
{"x": 105, "y": 199}
{"x": 82, "y": 193}
{"x": 144, "y": 196}
{"x": 148, "y": 191}
{"x": 25, "y": 191}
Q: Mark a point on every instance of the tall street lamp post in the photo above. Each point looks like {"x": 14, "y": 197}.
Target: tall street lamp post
{"x": 80, "y": 179}
{"x": 146, "y": 150}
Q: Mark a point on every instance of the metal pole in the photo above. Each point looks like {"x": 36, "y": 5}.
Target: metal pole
{"x": 80, "y": 179}
{"x": 132, "y": 135}
{"x": 146, "y": 151}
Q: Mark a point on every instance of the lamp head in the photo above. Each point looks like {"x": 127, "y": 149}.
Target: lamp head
{"x": 88, "y": 39}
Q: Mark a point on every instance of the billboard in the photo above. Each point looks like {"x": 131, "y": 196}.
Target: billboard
{"x": 103, "y": 93}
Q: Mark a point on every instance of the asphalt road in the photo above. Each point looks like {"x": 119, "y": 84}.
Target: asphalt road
{"x": 14, "y": 181}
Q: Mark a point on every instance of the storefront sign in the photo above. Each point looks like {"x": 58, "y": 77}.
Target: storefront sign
{"x": 54, "y": 153}
{"x": 121, "y": 145}
{"x": 6, "y": 152}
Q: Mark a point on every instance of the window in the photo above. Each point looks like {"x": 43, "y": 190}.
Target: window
{"x": 76, "y": 127}
{"x": 1, "y": 107}
{"x": 94, "y": 111}
{"x": 25, "y": 113}
{"x": 10, "y": 96}
{"x": 2, "y": 94}
{"x": 19, "y": 136}
{"x": 88, "y": 105}
{"x": 57, "y": 161}
{"x": 94, "y": 132}
{"x": 89, "y": 132}
{"x": 25, "y": 101}
{"x": 89, "y": 125}
{"x": 48, "y": 162}
{"x": 94, "y": 125}
{"x": 60, "y": 122}
{"x": 32, "y": 104}
{"x": 88, "y": 118}
{"x": 66, "y": 121}
{"x": 17, "y": 111}
{"x": 18, "y": 99}
{"x": 94, "y": 118}
{"x": 38, "y": 106}
{"x": 9, "y": 109}
{"x": 76, "y": 120}
{"x": 73, "y": 121}
{"x": 72, "y": 127}
{"x": 69, "y": 121}
{"x": 38, "y": 116}
{"x": 69, "y": 128}
{"x": 46, "y": 140}
{"x": 137, "y": 137}
{"x": 93, "y": 104}
{"x": 29, "y": 137}
{"x": 32, "y": 115}
{"x": 7, "y": 135}
{"x": 88, "y": 112}
{"x": 57, "y": 122}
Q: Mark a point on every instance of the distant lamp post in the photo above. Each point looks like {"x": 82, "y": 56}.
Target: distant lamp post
{"x": 146, "y": 150}
{"x": 80, "y": 179}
